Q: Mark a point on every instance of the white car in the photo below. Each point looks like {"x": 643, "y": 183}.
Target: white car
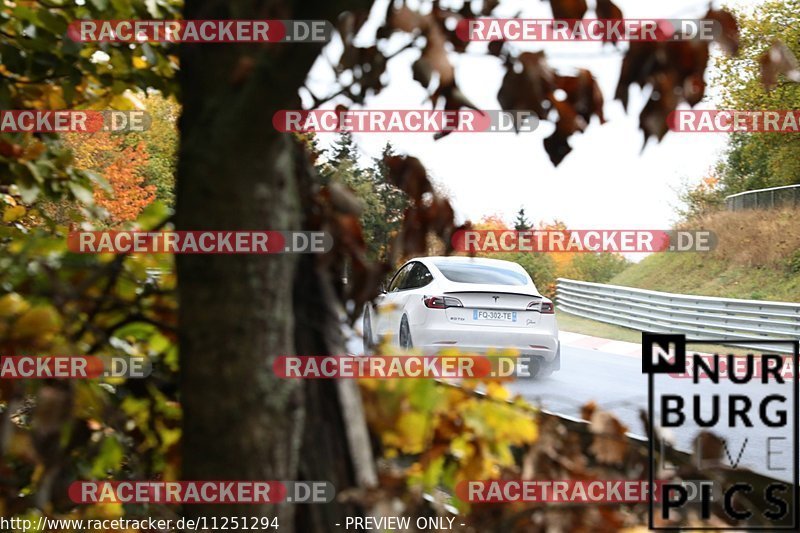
{"x": 472, "y": 304}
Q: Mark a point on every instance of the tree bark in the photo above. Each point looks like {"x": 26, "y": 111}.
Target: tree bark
{"x": 237, "y": 312}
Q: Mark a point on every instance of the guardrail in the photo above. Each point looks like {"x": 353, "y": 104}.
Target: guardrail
{"x": 788, "y": 196}
{"x": 700, "y": 317}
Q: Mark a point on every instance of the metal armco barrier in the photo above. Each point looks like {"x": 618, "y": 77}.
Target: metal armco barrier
{"x": 698, "y": 317}
{"x": 788, "y": 196}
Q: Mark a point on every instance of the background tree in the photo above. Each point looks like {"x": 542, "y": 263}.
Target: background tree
{"x": 123, "y": 167}
{"x": 161, "y": 143}
{"x": 382, "y": 204}
{"x": 759, "y": 160}
{"x": 521, "y": 223}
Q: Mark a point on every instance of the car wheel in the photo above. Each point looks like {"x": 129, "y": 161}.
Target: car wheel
{"x": 367, "y": 327}
{"x": 539, "y": 369}
{"x": 405, "y": 334}
{"x": 543, "y": 370}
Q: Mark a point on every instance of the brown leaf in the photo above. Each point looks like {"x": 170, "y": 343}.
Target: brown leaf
{"x": 488, "y": 7}
{"x": 569, "y": 121}
{"x": 778, "y": 59}
{"x": 610, "y": 444}
{"x": 707, "y": 448}
{"x": 454, "y": 100}
{"x": 422, "y": 71}
{"x": 588, "y": 409}
{"x": 606, "y": 9}
{"x": 435, "y": 55}
{"x": 368, "y": 65}
{"x": 728, "y": 37}
{"x": 557, "y": 147}
{"x": 663, "y": 101}
{"x": 568, "y": 9}
{"x": 639, "y": 63}
{"x": 496, "y": 47}
{"x": 409, "y": 175}
{"x": 694, "y": 87}
{"x": 583, "y": 93}
{"x": 529, "y": 89}
{"x": 10, "y": 150}
{"x": 404, "y": 18}
{"x": 349, "y": 23}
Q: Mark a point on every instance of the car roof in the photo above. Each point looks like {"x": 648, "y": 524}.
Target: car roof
{"x": 460, "y": 259}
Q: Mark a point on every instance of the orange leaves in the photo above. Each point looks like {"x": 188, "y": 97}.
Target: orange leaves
{"x": 122, "y": 166}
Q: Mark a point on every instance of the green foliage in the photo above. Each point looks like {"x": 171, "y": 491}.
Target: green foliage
{"x": 382, "y": 203}
{"x": 596, "y": 267}
{"x": 161, "y": 140}
{"x": 448, "y": 434}
{"x": 58, "y": 302}
{"x": 42, "y": 69}
{"x": 702, "y": 198}
{"x": 794, "y": 262}
{"x": 759, "y": 160}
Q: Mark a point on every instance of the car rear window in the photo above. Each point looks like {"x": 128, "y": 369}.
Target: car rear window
{"x": 473, "y": 273}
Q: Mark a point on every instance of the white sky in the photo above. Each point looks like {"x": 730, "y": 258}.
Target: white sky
{"x": 606, "y": 182}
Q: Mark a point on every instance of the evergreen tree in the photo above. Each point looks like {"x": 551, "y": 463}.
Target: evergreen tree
{"x": 521, "y": 223}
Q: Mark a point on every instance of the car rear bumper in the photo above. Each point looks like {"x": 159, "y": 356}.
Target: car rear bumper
{"x": 481, "y": 340}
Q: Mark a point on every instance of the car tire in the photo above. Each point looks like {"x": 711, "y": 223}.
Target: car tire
{"x": 539, "y": 369}
{"x": 543, "y": 371}
{"x": 404, "y": 337}
{"x": 367, "y": 334}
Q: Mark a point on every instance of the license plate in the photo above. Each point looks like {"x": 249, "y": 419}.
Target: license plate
{"x": 502, "y": 316}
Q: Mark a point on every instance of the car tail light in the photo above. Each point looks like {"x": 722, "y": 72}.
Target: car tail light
{"x": 548, "y": 308}
{"x": 441, "y": 302}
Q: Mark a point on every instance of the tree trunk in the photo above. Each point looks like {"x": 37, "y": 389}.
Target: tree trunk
{"x": 237, "y": 312}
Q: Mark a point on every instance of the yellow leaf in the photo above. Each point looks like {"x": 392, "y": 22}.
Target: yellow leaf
{"x": 37, "y": 322}
{"x": 13, "y": 213}
{"x": 12, "y": 304}
{"x": 139, "y": 62}
{"x": 495, "y": 390}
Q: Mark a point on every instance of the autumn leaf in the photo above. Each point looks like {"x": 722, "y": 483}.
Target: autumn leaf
{"x": 568, "y": 9}
{"x": 778, "y": 59}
